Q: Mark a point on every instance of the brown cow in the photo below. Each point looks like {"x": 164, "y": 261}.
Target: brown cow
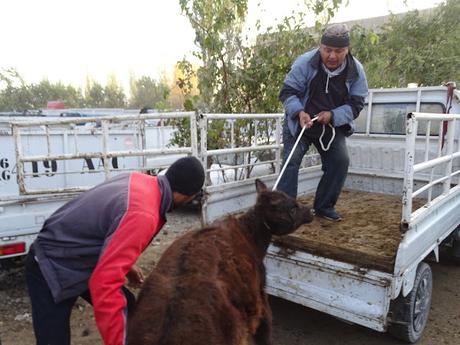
{"x": 209, "y": 286}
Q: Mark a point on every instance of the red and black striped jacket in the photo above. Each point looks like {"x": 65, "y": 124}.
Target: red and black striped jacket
{"x": 94, "y": 240}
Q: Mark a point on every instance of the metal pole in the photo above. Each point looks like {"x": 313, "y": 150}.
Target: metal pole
{"x": 427, "y": 156}
{"x": 143, "y": 138}
{"x": 203, "y": 123}
{"x": 411, "y": 133}
{"x": 232, "y": 145}
{"x": 193, "y": 135}
{"x": 48, "y": 139}
{"x": 369, "y": 113}
{"x": 450, "y": 150}
{"x": 278, "y": 145}
{"x": 204, "y": 146}
{"x": 105, "y": 147}
{"x": 65, "y": 145}
{"x": 19, "y": 162}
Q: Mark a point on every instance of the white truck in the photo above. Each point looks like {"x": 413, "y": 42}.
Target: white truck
{"x": 405, "y": 151}
{"x": 44, "y": 162}
{"x": 401, "y": 202}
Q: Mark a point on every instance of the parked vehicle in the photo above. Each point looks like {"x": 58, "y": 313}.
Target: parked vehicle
{"x": 44, "y": 162}
{"x": 405, "y": 146}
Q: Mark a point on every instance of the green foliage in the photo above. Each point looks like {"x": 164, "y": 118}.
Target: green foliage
{"x": 16, "y": 95}
{"x": 110, "y": 96}
{"x": 185, "y": 81}
{"x": 185, "y": 84}
{"x": 217, "y": 25}
{"x": 237, "y": 77}
{"x": 45, "y": 91}
{"x": 269, "y": 61}
{"x": 414, "y": 48}
{"x": 94, "y": 94}
{"x": 114, "y": 95}
{"x": 147, "y": 92}
{"x": 324, "y": 10}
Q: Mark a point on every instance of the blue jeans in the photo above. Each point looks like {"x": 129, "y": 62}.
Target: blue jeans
{"x": 335, "y": 163}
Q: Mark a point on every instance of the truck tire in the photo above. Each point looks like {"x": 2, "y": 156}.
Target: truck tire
{"x": 410, "y": 314}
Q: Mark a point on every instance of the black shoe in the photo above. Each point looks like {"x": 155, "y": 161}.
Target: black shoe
{"x": 329, "y": 214}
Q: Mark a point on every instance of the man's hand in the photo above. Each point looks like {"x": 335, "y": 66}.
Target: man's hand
{"x": 305, "y": 120}
{"x": 324, "y": 117}
{"x": 135, "y": 278}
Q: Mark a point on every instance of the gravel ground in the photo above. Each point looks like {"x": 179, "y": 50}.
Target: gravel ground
{"x": 293, "y": 324}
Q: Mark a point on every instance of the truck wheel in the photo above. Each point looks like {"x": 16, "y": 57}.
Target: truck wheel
{"x": 410, "y": 313}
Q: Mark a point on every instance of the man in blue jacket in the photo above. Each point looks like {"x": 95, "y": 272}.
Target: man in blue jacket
{"x": 324, "y": 91}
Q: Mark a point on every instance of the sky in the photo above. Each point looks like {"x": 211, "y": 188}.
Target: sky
{"x": 68, "y": 40}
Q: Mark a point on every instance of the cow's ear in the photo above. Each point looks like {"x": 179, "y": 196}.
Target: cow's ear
{"x": 260, "y": 186}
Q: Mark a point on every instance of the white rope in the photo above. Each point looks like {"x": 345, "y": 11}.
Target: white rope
{"x": 297, "y": 142}
{"x": 330, "y": 141}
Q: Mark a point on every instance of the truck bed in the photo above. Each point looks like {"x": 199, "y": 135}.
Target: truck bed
{"x": 368, "y": 236}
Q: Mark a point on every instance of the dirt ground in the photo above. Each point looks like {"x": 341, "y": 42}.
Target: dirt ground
{"x": 293, "y": 324}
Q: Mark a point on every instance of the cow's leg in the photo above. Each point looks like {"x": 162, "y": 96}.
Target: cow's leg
{"x": 263, "y": 334}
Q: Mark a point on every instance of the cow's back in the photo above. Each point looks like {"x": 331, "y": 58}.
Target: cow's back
{"x": 206, "y": 288}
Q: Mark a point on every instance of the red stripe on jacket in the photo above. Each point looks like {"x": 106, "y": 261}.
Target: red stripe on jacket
{"x": 139, "y": 225}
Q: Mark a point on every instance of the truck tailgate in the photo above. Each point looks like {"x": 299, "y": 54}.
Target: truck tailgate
{"x": 340, "y": 289}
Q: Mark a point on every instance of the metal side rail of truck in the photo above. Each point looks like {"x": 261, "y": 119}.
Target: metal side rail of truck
{"x": 44, "y": 162}
{"x": 400, "y": 205}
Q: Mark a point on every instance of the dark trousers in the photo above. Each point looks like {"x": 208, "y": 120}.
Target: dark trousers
{"x": 335, "y": 163}
{"x": 51, "y": 321}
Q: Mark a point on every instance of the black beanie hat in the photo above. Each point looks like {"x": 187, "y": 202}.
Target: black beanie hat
{"x": 186, "y": 176}
{"x": 336, "y": 35}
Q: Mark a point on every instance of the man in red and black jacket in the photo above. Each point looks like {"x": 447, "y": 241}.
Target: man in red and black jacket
{"x": 89, "y": 246}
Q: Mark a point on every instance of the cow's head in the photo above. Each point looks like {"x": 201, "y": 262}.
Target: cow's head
{"x": 279, "y": 212}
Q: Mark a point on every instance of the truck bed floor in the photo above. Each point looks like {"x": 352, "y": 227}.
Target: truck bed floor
{"x": 368, "y": 236}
